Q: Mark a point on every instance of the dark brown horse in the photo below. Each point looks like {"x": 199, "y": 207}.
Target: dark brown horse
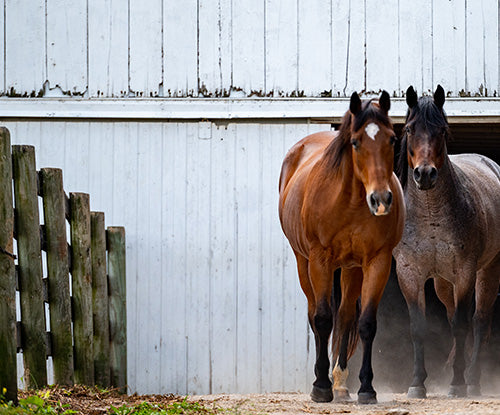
{"x": 342, "y": 207}
{"x": 451, "y": 234}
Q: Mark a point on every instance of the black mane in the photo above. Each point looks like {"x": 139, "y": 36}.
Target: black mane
{"x": 432, "y": 119}
{"x": 336, "y": 150}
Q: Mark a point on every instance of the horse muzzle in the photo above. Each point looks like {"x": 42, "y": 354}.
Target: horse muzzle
{"x": 425, "y": 176}
{"x": 379, "y": 202}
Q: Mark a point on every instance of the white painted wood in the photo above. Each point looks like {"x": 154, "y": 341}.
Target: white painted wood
{"x": 214, "y": 47}
{"x": 382, "y": 53}
{"x": 314, "y": 47}
{"x": 340, "y": 46}
{"x": 66, "y": 31}
{"x": 449, "y": 45}
{"x": 475, "y": 51}
{"x": 415, "y": 46}
{"x": 490, "y": 13}
{"x": 356, "y": 52}
{"x": 458, "y": 109}
{"x": 25, "y": 69}
{"x": 281, "y": 47}
{"x": 248, "y": 43}
{"x": 146, "y": 48}
{"x": 108, "y": 48}
{"x": 180, "y": 48}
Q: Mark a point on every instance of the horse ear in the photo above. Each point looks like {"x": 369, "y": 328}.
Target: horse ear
{"x": 385, "y": 101}
{"x": 411, "y": 97}
{"x": 355, "y": 105}
{"x": 439, "y": 97}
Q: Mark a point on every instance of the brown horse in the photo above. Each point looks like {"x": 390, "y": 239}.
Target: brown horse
{"x": 342, "y": 207}
{"x": 451, "y": 234}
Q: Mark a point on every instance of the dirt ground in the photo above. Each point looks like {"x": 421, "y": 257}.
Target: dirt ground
{"x": 389, "y": 404}
{"x": 90, "y": 401}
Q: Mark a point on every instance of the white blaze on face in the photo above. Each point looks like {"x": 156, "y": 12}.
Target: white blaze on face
{"x": 372, "y": 130}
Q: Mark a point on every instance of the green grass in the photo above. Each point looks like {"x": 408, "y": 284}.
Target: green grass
{"x": 39, "y": 403}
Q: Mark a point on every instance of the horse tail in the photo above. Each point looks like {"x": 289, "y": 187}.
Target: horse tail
{"x": 338, "y": 326}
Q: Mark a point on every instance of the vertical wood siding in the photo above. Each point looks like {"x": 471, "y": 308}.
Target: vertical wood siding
{"x": 172, "y": 48}
{"x": 213, "y": 299}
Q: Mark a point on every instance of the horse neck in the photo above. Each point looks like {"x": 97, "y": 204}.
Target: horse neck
{"x": 446, "y": 193}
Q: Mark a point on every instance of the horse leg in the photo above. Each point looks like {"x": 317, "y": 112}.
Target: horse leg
{"x": 412, "y": 287}
{"x": 460, "y": 324}
{"x": 305, "y": 284}
{"x": 350, "y": 282}
{"x": 321, "y": 279}
{"x": 375, "y": 276}
{"x": 486, "y": 293}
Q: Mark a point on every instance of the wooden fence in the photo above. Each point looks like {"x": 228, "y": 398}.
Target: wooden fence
{"x": 84, "y": 289}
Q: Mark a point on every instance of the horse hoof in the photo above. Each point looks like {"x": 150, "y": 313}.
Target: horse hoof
{"x": 365, "y": 398}
{"x": 417, "y": 392}
{"x": 473, "y": 390}
{"x": 341, "y": 395}
{"x": 321, "y": 394}
{"x": 457, "y": 391}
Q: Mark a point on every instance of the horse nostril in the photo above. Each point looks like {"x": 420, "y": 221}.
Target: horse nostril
{"x": 416, "y": 174}
{"x": 373, "y": 200}
{"x": 389, "y": 198}
{"x": 433, "y": 174}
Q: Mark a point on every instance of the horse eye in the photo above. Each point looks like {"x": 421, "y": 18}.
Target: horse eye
{"x": 355, "y": 144}
{"x": 407, "y": 130}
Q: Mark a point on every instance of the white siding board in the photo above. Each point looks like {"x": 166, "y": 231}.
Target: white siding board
{"x": 76, "y": 161}
{"x": 381, "y": 22}
{"x": 415, "y": 46}
{"x": 475, "y": 52}
{"x": 249, "y": 272}
{"x": 198, "y": 263}
{"x": 174, "y": 267}
{"x": 223, "y": 283}
{"x": 25, "y": 70}
{"x": 145, "y": 48}
{"x": 2, "y": 46}
{"x": 180, "y": 48}
{"x": 340, "y": 46}
{"x": 356, "y": 70}
{"x": 281, "y": 47}
{"x": 66, "y": 28}
{"x": 108, "y": 48}
{"x": 214, "y": 47}
{"x": 314, "y": 46}
{"x": 490, "y": 44}
{"x": 449, "y": 45}
{"x": 248, "y": 47}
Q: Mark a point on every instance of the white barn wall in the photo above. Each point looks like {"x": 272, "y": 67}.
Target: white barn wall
{"x": 174, "y": 48}
{"x": 213, "y": 300}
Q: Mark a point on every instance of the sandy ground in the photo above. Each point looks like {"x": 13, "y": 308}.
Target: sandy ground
{"x": 390, "y": 404}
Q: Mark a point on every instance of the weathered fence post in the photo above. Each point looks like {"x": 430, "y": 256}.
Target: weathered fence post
{"x": 81, "y": 272}
{"x": 56, "y": 246}
{"x": 27, "y": 224}
{"x": 100, "y": 303}
{"x": 117, "y": 306}
{"x": 8, "y": 376}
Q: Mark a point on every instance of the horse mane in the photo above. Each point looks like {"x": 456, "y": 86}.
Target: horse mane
{"x": 433, "y": 119}
{"x": 337, "y": 148}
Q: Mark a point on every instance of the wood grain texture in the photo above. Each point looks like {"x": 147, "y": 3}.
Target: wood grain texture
{"x": 8, "y": 378}
{"x": 81, "y": 273}
{"x": 30, "y": 265}
{"x": 56, "y": 245}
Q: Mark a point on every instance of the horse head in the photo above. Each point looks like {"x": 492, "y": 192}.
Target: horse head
{"x": 372, "y": 140}
{"x": 426, "y": 132}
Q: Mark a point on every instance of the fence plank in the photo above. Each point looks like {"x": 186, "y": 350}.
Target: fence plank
{"x": 82, "y": 288}
{"x": 100, "y": 299}
{"x": 117, "y": 306}
{"x": 30, "y": 265}
{"x": 54, "y": 202}
{"x": 8, "y": 379}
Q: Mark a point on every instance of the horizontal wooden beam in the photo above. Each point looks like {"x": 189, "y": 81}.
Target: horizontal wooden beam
{"x": 328, "y": 110}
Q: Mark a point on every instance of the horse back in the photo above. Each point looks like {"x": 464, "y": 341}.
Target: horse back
{"x": 482, "y": 179}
